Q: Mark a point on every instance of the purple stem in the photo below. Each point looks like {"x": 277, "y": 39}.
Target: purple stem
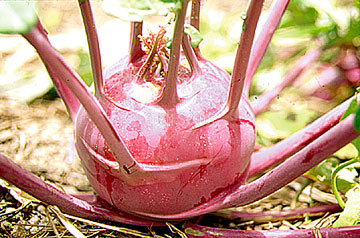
{"x": 196, "y": 231}
{"x": 169, "y": 95}
{"x": 195, "y": 20}
{"x": 135, "y": 43}
{"x": 50, "y": 195}
{"x": 240, "y": 66}
{"x": 264, "y": 100}
{"x": 243, "y": 54}
{"x": 263, "y": 39}
{"x": 93, "y": 43}
{"x": 288, "y": 214}
{"x": 195, "y": 14}
{"x": 305, "y": 159}
{"x": 71, "y": 102}
{"x": 271, "y": 156}
{"x": 95, "y": 111}
{"x": 191, "y": 57}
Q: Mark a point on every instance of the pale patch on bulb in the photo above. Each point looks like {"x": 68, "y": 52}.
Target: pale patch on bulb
{"x": 145, "y": 93}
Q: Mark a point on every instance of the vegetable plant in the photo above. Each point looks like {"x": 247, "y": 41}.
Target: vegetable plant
{"x": 166, "y": 134}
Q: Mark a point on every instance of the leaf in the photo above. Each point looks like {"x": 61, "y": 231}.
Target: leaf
{"x": 84, "y": 67}
{"x": 350, "y": 37}
{"x": 299, "y": 13}
{"x": 322, "y": 172}
{"x": 351, "y": 214}
{"x": 350, "y": 110}
{"x": 17, "y": 16}
{"x": 357, "y": 119}
{"x": 137, "y": 10}
{"x": 354, "y": 108}
{"x": 194, "y": 34}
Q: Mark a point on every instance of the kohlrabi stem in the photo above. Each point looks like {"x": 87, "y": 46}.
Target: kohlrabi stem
{"x": 71, "y": 102}
{"x": 273, "y": 216}
{"x": 210, "y": 232}
{"x": 135, "y": 43}
{"x": 311, "y": 155}
{"x": 190, "y": 56}
{"x": 240, "y": 66}
{"x": 195, "y": 14}
{"x": 334, "y": 180}
{"x": 263, "y": 39}
{"x": 264, "y": 100}
{"x": 195, "y": 19}
{"x": 93, "y": 43}
{"x": 169, "y": 96}
{"x": 243, "y": 54}
{"x": 92, "y": 106}
{"x": 268, "y": 157}
{"x": 50, "y": 195}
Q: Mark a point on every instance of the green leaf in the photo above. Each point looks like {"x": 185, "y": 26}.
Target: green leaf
{"x": 357, "y": 3}
{"x": 351, "y": 214}
{"x": 350, "y": 37}
{"x": 322, "y": 172}
{"x": 357, "y": 119}
{"x": 84, "y": 67}
{"x": 194, "y": 34}
{"x": 17, "y": 16}
{"x": 354, "y": 108}
{"x": 299, "y": 13}
{"x": 137, "y": 10}
{"x": 351, "y": 109}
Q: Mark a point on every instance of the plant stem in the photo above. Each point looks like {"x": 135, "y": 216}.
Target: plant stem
{"x": 268, "y": 157}
{"x": 243, "y": 54}
{"x": 195, "y": 14}
{"x": 190, "y": 56}
{"x": 263, "y": 39}
{"x": 334, "y": 180}
{"x": 264, "y": 100}
{"x": 307, "y": 158}
{"x": 71, "y": 102}
{"x": 135, "y": 44}
{"x": 169, "y": 95}
{"x": 195, "y": 231}
{"x": 195, "y": 20}
{"x": 50, "y": 195}
{"x": 240, "y": 66}
{"x": 273, "y": 216}
{"x": 93, "y": 43}
{"x": 95, "y": 111}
